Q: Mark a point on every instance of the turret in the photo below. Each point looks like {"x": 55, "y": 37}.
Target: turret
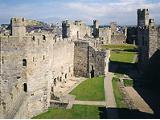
{"x": 142, "y": 17}
{"x": 18, "y": 26}
{"x": 95, "y": 28}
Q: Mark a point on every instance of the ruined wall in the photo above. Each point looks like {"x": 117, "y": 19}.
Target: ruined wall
{"x": 62, "y": 65}
{"x": 147, "y": 41}
{"x": 158, "y": 39}
{"x": 152, "y": 40}
{"x": 88, "y": 62}
{"x": 45, "y": 60}
{"x": 96, "y": 62}
{"x": 118, "y": 38}
{"x": 132, "y": 35}
{"x": 75, "y": 30}
{"x": 105, "y": 35}
{"x": 143, "y": 43}
{"x": 13, "y": 75}
{"x": 34, "y": 66}
{"x": 81, "y": 58}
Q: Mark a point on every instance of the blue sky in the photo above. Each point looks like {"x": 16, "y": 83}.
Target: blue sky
{"x": 51, "y": 11}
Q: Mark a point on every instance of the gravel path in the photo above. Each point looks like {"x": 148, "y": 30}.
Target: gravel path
{"x": 110, "y": 99}
{"x": 140, "y": 104}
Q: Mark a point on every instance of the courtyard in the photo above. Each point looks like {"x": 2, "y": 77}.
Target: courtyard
{"x": 91, "y": 89}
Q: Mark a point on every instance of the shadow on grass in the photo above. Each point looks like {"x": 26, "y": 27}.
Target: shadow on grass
{"x": 146, "y": 84}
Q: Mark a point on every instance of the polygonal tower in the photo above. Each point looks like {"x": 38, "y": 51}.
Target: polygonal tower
{"x": 18, "y": 26}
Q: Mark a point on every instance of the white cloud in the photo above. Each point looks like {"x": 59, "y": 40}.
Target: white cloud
{"x": 122, "y": 11}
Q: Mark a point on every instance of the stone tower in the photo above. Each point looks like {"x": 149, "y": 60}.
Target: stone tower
{"x": 65, "y": 29}
{"x": 18, "y": 26}
{"x": 142, "y": 17}
{"x": 113, "y": 26}
{"x": 95, "y": 28}
{"x": 147, "y": 37}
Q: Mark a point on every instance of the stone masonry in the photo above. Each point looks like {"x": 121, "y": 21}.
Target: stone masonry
{"x": 147, "y": 35}
{"x": 33, "y": 65}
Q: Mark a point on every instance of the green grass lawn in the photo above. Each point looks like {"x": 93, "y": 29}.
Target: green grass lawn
{"x": 91, "y": 90}
{"x": 126, "y": 57}
{"x": 76, "y": 112}
{"x": 118, "y": 94}
{"x": 122, "y": 52}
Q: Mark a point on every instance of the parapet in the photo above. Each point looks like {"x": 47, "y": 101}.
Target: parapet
{"x": 142, "y": 10}
{"x": 18, "y": 21}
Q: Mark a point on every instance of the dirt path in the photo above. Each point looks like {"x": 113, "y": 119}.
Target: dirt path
{"x": 140, "y": 104}
{"x": 101, "y": 103}
{"x": 109, "y": 95}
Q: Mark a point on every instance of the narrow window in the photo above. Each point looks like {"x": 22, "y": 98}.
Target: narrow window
{"x": 33, "y": 59}
{"x": 60, "y": 79}
{"x": 24, "y": 62}
{"x": 2, "y": 60}
{"x": 25, "y": 87}
{"x": 33, "y": 38}
{"x": 55, "y": 81}
{"x": 44, "y": 37}
{"x": 52, "y": 90}
{"x": 66, "y": 76}
{"x": 43, "y": 57}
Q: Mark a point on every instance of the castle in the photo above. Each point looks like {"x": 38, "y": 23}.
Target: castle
{"x": 102, "y": 35}
{"x": 34, "y": 65}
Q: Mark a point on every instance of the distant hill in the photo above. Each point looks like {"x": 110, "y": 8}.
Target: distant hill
{"x": 35, "y": 23}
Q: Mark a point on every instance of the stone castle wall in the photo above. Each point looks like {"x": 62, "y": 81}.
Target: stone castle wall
{"x": 46, "y": 63}
{"x": 105, "y": 35}
{"x": 75, "y": 30}
{"x": 87, "y": 59}
{"x": 34, "y": 66}
{"x": 158, "y": 32}
{"x": 118, "y": 39}
{"x": 147, "y": 36}
{"x": 152, "y": 40}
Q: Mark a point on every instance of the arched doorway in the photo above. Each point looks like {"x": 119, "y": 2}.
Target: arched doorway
{"x": 92, "y": 72}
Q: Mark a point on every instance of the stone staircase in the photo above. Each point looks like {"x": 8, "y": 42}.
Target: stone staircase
{"x": 62, "y": 101}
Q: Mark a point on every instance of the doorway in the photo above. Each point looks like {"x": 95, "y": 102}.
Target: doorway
{"x": 92, "y": 72}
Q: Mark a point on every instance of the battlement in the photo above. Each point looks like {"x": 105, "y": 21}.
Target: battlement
{"x": 18, "y": 21}
{"x": 18, "y": 26}
{"x": 143, "y": 17}
{"x": 78, "y": 22}
{"x": 143, "y": 10}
